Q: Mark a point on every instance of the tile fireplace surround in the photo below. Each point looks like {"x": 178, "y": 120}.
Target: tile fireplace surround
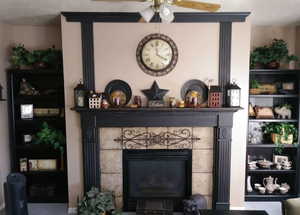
{"x": 202, "y": 158}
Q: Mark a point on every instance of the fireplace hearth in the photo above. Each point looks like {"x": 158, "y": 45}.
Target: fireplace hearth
{"x": 156, "y": 174}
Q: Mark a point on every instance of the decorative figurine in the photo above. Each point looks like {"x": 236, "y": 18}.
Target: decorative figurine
{"x": 95, "y": 100}
{"x": 181, "y": 104}
{"x": 233, "y": 95}
{"x": 105, "y": 104}
{"x": 215, "y": 97}
{"x": 172, "y": 102}
{"x": 79, "y": 95}
{"x": 191, "y": 98}
{"x": 155, "y": 95}
{"x": 137, "y": 100}
{"x": 27, "y": 89}
{"x": 194, "y": 205}
{"x": 283, "y": 112}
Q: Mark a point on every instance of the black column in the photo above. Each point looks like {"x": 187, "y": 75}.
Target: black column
{"x": 225, "y": 56}
{"x": 222, "y": 163}
{"x": 91, "y": 152}
{"x": 87, "y": 34}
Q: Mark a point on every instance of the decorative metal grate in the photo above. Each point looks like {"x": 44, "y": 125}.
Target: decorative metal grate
{"x": 137, "y": 139}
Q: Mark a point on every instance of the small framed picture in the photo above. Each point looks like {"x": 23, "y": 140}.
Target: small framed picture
{"x": 23, "y": 164}
{"x": 27, "y": 111}
{"x": 280, "y": 159}
{"x": 27, "y": 138}
{"x": 33, "y": 165}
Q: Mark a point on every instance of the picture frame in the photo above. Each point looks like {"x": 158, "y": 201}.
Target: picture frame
{"x": 26, "y": 111}
{"x": 33, "y": 165}
{"x": 27, "y": 138}
{"x": 280, "y": 158}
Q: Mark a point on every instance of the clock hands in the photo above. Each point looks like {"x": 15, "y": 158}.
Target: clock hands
{"x": 158, "y": 55}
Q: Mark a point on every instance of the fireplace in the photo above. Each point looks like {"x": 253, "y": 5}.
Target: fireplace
{"x": 156, "y": 174}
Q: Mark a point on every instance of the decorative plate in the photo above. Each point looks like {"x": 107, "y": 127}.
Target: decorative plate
{"x": 195, "y": 85}
{"x": 118, "y": 88}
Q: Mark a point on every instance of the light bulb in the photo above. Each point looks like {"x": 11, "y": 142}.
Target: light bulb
{"x": 147, "y": 13}
{"x": 165, "y": 12}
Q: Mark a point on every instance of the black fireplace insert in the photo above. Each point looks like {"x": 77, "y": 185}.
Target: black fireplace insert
{"x": 156, "y": 174}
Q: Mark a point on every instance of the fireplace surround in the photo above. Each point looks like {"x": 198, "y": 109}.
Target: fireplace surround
{"x": 218, "y": 118}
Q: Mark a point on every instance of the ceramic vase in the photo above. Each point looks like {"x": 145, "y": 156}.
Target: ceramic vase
{"x": 249, "y": 187}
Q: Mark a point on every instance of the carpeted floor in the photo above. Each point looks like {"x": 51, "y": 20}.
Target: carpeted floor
{"x": 273, "y": 208}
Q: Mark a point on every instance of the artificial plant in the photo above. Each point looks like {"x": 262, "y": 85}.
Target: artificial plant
{"x": 283, "y": 130}
{"x": 50, "y": 136}
{"x": 274, "y": 53}
{"x": 97, "y": 203}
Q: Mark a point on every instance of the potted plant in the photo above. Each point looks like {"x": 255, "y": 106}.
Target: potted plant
{"x": 19, "y": 56}
{"x": 97, "y": 203}
{"x": 281, "y": 133}
{"x": 48, "y": 58}
{"x": 254, "y": 87}
{"x": 52, "y": 137}
{"x": 270, "y": 56}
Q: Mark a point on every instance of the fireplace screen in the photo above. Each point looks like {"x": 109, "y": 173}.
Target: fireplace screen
{"x": 159, "y": 174}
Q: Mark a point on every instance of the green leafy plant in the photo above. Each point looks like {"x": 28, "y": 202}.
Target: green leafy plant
{"x": 50, "y": 136}
{"x": 97, "y": 203}
{"x": 254, "y": 84}
{"x": 19, "y": 56}
{"x": 275, "y": 52}
{"x": 49, "y": 58}
{"x": 282, "y": 129}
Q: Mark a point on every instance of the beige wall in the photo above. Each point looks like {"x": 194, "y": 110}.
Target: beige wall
{"x": 33, "y": 37}
{"x": 4, "y": 147}
{"x": 115, "y": 58}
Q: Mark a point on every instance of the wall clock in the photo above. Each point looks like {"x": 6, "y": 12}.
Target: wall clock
{"x": 157, "y": 54}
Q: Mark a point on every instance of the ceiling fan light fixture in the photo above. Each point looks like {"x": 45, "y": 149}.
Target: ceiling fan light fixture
{"x": 166, "y": 13}
{"x": 147, "y": 13}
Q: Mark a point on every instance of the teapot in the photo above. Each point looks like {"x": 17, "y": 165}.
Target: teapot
{"x": 270, "y": 185}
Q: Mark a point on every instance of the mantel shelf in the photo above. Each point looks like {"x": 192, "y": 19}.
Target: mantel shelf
{"x": 140, "y": 110}
{"x": 159, "y": 117}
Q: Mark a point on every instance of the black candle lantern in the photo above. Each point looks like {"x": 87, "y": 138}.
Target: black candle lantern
{"x": 1, "y": 94}
{"x": 79, "y": 95}
{"x": 233, "y": 95}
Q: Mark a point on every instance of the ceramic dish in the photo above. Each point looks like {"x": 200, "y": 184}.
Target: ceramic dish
{"x": 118, "y": 89}
{"x": 195, "y": 85}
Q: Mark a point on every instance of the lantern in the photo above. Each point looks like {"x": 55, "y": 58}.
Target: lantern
{"x": 233, "y": 95}
{"x": 79, "y": 95}
{"x": 1, "y": 88}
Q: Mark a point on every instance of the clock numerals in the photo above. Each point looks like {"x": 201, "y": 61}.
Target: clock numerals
{"x": 157, "y": 54}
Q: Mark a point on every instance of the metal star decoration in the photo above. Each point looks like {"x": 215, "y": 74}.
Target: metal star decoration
{"x": 155, "y": 93}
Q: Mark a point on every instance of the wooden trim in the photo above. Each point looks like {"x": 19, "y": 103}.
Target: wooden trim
{"x": 220, "y": 119}
{"x": 225, "y": 56}
{"x": 87, "y": 35}
{"x": 135, "y": 17}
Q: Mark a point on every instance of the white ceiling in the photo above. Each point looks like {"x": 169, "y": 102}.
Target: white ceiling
{"x": 36, "y": 12}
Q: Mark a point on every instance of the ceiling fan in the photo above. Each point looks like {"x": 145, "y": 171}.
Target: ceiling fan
{"x": 163, "y": 7}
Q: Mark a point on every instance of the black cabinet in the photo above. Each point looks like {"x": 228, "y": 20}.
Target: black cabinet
{"x": 45, "y": 168}
{"x": 260, "y": 145}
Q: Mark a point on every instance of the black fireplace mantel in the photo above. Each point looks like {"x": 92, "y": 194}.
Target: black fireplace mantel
{"x": 219, "y": 118}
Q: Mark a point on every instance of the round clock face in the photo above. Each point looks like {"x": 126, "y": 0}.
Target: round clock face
{"x": 157, "y": 54}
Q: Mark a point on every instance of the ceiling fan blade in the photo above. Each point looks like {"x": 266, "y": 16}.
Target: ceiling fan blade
{"x": 197, "y": 5}
{"x": 122, "y": 0}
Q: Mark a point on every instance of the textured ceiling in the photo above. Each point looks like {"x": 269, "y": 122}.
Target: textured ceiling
{"x": 35, "y": 12}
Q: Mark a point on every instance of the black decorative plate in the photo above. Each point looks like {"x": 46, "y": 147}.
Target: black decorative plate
{"x": 119, "y": 88}
{"x": 195, "y": 85}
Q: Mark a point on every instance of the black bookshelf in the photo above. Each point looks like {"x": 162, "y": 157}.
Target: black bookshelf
{"x": 266, "y": 149}
{"x": 43, "y": 186}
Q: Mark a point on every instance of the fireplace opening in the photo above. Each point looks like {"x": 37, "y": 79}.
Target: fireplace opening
{"x": 156, "y": 174}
